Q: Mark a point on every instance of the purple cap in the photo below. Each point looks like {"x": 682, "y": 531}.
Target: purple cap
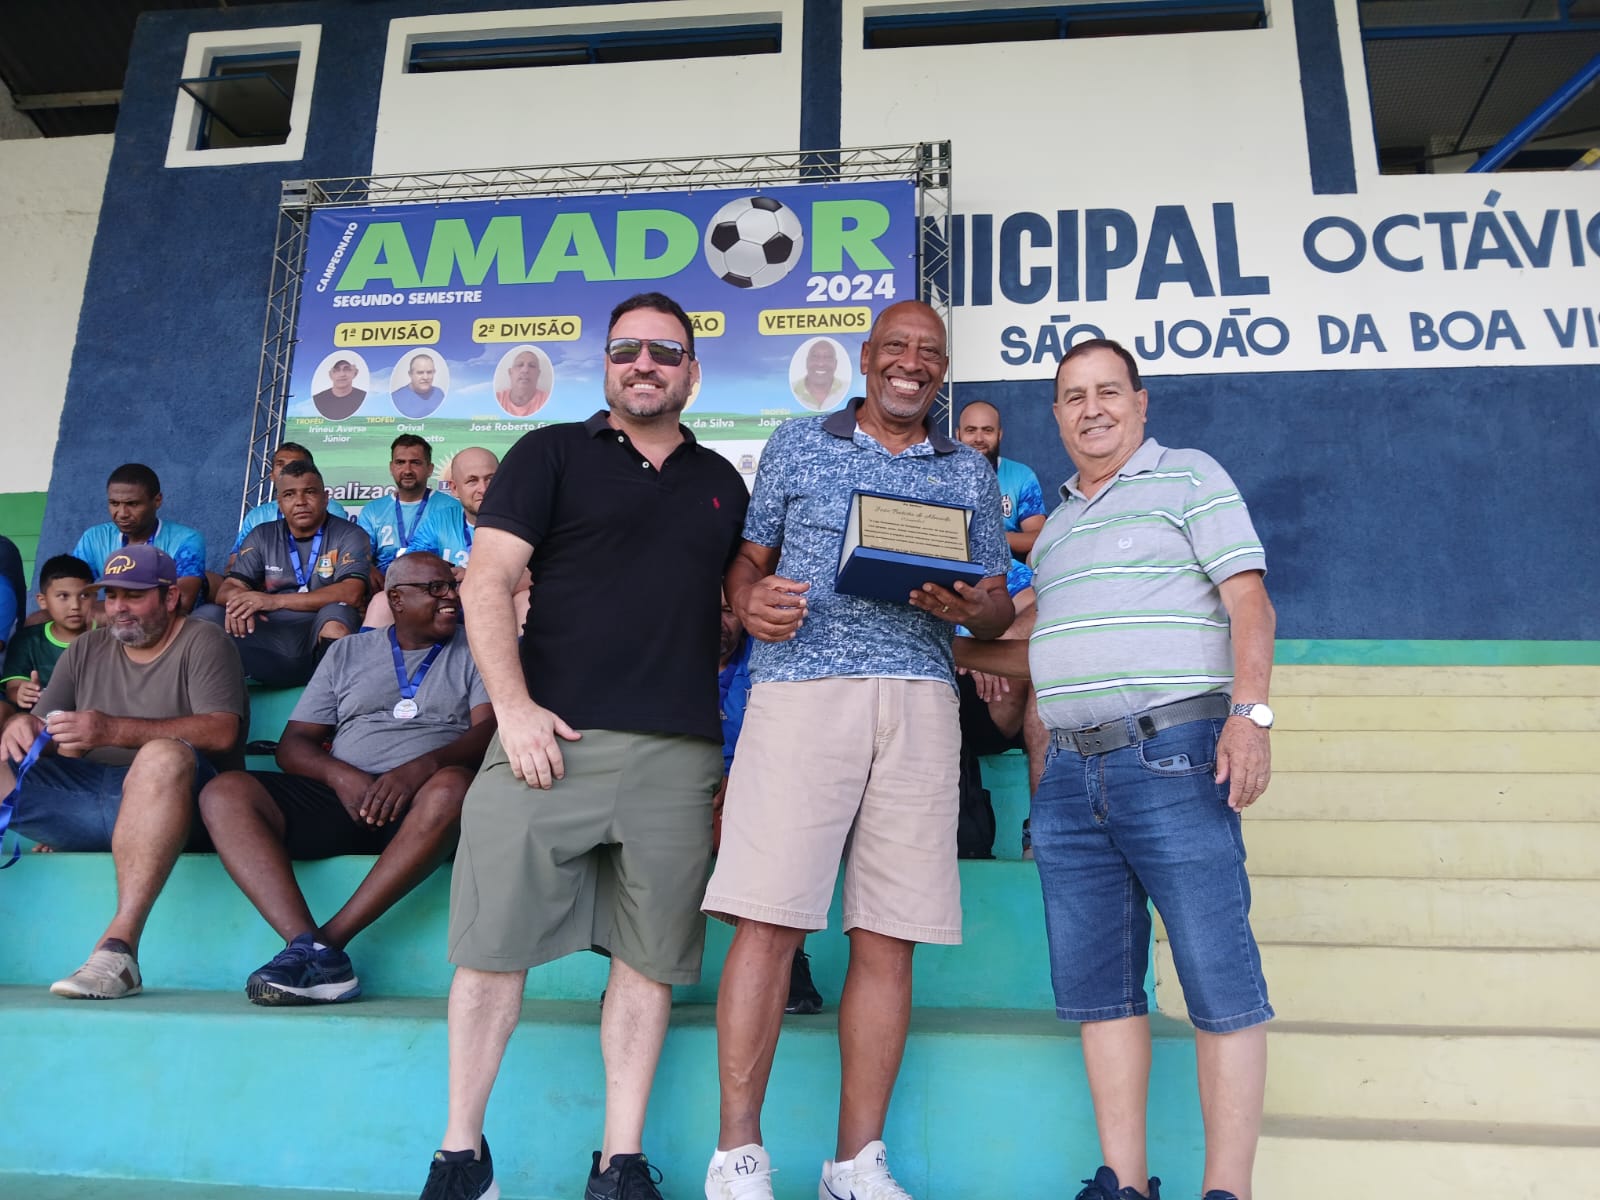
{"x": 139, "y": 568}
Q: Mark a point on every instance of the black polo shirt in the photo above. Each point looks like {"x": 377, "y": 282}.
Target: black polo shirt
{"x": 624, "y": 625}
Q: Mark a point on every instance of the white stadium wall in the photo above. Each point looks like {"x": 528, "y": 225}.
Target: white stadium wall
{"x": 49, "y": 207}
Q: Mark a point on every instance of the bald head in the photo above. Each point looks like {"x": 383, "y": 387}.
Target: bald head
{"x": 418, "y": 567}
{"x": 979, "y": 427}
{"x": 470, "y": 472}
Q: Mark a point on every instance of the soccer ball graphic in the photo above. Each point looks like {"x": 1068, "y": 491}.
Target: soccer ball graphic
{"x": 753, "y": 242}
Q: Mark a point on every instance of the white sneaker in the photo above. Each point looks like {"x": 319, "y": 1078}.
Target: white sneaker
{"x": 745, "y": 1174}
{"x": 108, "y": 975}
{"x": 865, "y": 1178}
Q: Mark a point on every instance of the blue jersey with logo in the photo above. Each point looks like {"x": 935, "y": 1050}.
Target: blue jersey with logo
{"x": 434, "y": 528}
{"x": 450, "y": 541}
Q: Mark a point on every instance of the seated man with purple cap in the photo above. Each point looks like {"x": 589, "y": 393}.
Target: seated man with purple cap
{"x": 138, "y": 716}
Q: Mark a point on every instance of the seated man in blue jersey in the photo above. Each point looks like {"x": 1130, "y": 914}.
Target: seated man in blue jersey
{"x": 268, "y": 510}
{"x": 13, "y": 588}
{"x": 414, "y": 517}
{"x": 133, "y": 493}
{"x": 409, "y": 720}
{"x": 298, "y": 584}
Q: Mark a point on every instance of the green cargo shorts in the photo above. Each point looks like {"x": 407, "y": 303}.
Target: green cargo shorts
{"x": 614, "y": 858}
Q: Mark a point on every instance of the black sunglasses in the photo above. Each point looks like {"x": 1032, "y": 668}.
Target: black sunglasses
{"x": 663, "y": 351}
{"x": 437, "y": 588}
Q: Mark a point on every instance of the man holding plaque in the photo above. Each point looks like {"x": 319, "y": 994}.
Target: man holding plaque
{"x": 1153, "y": 564}
{"x": 851, "y": 738}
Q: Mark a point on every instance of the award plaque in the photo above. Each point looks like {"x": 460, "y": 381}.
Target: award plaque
{"x": 894, "y": 544}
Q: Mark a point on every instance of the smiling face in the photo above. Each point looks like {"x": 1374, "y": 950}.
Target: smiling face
{"x": 644, "y": 389}
{"x": 1099, "y": 412}
{"x": 904, "y": 361}
{"x": 822, "y": 360}
{"x": 419, "y": 616}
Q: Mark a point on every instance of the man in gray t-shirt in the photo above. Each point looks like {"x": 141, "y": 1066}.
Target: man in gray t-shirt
{"x": 137, "y": 716}
{"x": 409, "y": 719}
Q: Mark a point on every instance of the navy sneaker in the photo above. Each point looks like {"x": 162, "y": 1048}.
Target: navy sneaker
{"x": 629, "y": 1177}
{"x": 458, "y": 1175}
{"x": 1104, "y": 1186}
{"x": 803, "y": 995}
{"x": 302, "y": 974}
{"x": 1218, "y": 1194}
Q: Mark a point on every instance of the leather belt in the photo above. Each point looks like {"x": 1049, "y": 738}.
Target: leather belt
{"x": 1138, "y": 727}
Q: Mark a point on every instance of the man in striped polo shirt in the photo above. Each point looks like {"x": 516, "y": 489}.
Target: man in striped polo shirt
{"x": 1151, "y": 610}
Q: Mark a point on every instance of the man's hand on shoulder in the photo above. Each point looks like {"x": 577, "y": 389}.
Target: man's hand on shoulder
{"x": 772, "y": 609}
{"x": 1244, "y": 761}
{"x": 531, "y": 737}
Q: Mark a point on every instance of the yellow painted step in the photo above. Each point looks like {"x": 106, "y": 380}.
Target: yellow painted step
{"x": 1425, "y": 849}
{"x": 1322, "y": 1159}
{"x": 1398, "y": 1075}
{"x": 1438, "y": 796}
{"x": 1519, "y": 913}
{"x": 1532, "y": 753}
{"x": 1390, "y": 985}
{"x": 1441, "y": 713}
{"x": 1435, "y": 681}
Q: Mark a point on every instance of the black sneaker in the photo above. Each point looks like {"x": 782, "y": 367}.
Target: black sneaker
{"x": 1104, "y": 1186}
{"x": 803, "y": 995}
{"x": 457, "y": 1175}
{"x": 629, "y": 1177}
{"x": 1218, "y": 1194}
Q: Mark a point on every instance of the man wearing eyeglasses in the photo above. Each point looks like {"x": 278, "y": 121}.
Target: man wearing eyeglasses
{"x": 375, "y": 760}
{"x": 589, "y": 825}
{"x": 849, "y": 750}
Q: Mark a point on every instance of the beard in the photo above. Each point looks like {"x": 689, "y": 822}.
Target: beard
{"x": 140, "y": 632}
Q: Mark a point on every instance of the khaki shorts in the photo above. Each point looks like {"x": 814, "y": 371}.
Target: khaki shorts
{"x": 613, "y": 858}
{"x": 865, "y": 769}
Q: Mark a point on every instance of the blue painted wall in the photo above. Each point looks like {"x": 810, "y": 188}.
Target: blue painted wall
{"x": 1402, "y": 504}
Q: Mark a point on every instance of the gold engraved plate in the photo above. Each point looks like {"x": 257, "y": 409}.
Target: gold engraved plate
{"x": 913, "y": 527}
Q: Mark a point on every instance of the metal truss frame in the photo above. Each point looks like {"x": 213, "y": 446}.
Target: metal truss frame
{"x": 926, "y": 164}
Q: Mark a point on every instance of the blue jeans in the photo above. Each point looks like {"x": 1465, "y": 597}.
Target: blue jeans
{"x": 72, "y": 803}
{"x": 1112, "y": 832}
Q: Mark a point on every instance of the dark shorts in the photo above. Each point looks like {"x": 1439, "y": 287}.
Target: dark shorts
{"x": 316, "y": 824}
{"x": 72, "y": 803}
{"x": 1147, "y": 823}
{"x": 283, "y": 650}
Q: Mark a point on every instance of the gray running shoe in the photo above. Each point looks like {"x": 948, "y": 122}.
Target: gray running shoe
{"x": 108, "y": 975}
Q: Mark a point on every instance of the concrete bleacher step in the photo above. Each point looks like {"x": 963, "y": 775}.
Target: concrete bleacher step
{"x": 1449, "y": 795}
{"x": 1538, "y": 753}
{"x": 1444, "y": 987}
{"x": 1491, "y": 714}
{"x": 1002, "y": 963}
{"x": 1557, "y": 914}
{"x": 289, "y": 1095}
{"x": 1367, "y": 682}
{"x": 1335, "y": 1159}
{"x": 1423, "y": 1072}
{"x": 85, "y": 1187}
{"x": 1425, "y": 849}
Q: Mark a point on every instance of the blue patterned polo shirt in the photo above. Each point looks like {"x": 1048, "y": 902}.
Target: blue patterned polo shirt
{"x": 801, "y": 500}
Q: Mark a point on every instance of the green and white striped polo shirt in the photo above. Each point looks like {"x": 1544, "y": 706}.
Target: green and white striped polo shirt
{"x": 1130, "y": 616}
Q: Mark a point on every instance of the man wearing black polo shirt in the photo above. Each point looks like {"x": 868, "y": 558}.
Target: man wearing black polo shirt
{"x": 611, "y": 710}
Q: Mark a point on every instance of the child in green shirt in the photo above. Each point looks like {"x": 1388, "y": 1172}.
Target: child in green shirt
{"x": 65, "y": 594}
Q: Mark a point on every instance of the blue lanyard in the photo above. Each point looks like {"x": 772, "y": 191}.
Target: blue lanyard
{"x": 409, "y": 686}
{"x": 294, "y": 552}
{"x": 400, "y": 518}
{"x": 8, "y": 806}
{"x": 150, "y": 541}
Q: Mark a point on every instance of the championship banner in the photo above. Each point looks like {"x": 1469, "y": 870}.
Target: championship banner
{"x": 470, "y": 323}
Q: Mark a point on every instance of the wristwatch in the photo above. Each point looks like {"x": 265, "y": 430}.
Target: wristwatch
{"x": 1256, "y": 714}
